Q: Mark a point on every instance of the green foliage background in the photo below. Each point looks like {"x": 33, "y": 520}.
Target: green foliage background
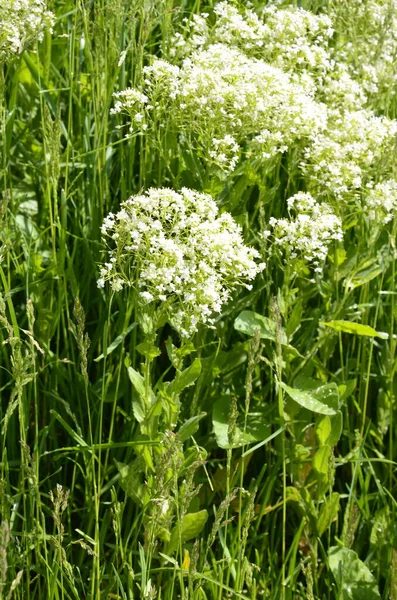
{"x": 294, "y": 502}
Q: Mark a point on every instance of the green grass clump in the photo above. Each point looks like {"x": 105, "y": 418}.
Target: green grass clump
{"x": 197, "y": 300}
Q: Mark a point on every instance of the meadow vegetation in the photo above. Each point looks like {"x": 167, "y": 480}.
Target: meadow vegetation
{"x": 197, "y": 299}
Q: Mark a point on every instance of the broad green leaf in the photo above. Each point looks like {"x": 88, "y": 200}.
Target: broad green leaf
{"x": 381, "y": 529}
{"x": 322, "y": 400}
{"x": 130, "y": 481}
{"x": 227, "y": 361}
{"x": 189, "y": 427}
{"x": 137, "y": 381}
{"x": 354, "y": 328}
{"x": 355, "y": 581}
{"x": 257, "y": 429}
{"x": 329, "y": 429}
{"x": 346, "y": 389}
{"x": 336, "y": 429}
{"x": 303, "y": 503}
{"x": 366, "y": 271}
{"x": 328, "y": 394}
{"x": 248, "y": 322}
{"x": 190, "y": 456}
{"x": 177, "y": 354}
{"x": 148, "y": 349}
{"x": 185, "y": 378}
{"x": 328, "y": 513}
{"x": 292, "y": 494}
{"x": 116, "y": 342}
{"x": 295, "y": 320}
{"x": 305, "y": 383}
{"x": 138, "y": 408}
{"x": 154, "y": 410}
{"x": 339, "y": 257}
{"x": 145, "y": 398}
{"x": 321, "y": 462}
{"x": 191, "y": 527}
{"x": 323, "y": 429}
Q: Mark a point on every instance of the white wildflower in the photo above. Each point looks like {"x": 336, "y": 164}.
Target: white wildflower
{"x": 293, "y": 39}
{"x": 223, "y": 100}
{"x": 129, "y": 99}
{"x": 175, "y": 249}
{"x": 354, "y": 144}
{"x": 22, "y": 21}
{"x": 381, "y": 202}
{"x": 309, "y": 233}
{"x": 370, "y": 56}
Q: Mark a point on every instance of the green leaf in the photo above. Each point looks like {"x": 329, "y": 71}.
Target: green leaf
{"x": 381, "y": 529}
{"x": 189, "y": 427}
{"x": 328, "y": 513}
{"x": 305, "y": 383}
{"x": 365, "y": 272}
{"x": 257, "y": 428}
{"x": 328, "y": 394}
{"x": 346, "y": 389}
{"x": 339, "y": 257}
{"x": 175, "y": 354}
{"x": 321, "y": 462}
{"x": 227, "y": 361}
{"x": 140, "y": 402}
{"x": 292, "y": 494}
{"x": 329, "y": 429}
{"x": 323, "y": 400}
{"x": 138, "y": 408}
{"x": 137, "y": 381}
{"x": 148, "y": 349}
{"x": 295, "y": 320}
{"x": 192, "y": 524}
{"x": 185, "y": 378}
{"x": 248, "y": 322}
{"x": 354, "y": 328}
{"x": 131, "y": 481}
{"x": 323, "y": 429}
{"x": 355, "y": 581}
{"x": 116, "y": 342}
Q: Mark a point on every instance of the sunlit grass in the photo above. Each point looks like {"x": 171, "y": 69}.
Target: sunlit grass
{"x": 252, "y": 459}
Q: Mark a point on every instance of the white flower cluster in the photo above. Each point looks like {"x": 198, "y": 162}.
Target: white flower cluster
{"x": 195, "y": 35}
{"x": 308, "y": 235}
{"x": 225, "y": 153}
{"x": 370, "y": 54}
{"x": 339, "y": 90}
{"x": 381, "y": 201}
{"x": 176, "y": 250}
{"x": 223, "y": 98}
{"x": 292, "y": 38}
{"x": 21, "y": 21}
{"x": 354, "y": 145}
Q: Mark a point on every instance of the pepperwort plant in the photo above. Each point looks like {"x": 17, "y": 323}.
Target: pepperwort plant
{"x": 22, "y": 21}
{"x": 179, "y": 260}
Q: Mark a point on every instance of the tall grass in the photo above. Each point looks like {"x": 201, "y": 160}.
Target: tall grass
{"x": 284, "y": 502}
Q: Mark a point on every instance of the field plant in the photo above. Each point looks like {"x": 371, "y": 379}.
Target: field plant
{"x": 198, "y": 309}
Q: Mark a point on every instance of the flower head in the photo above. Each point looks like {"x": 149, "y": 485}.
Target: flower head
{"x": 309, "y": 233}
{"x": 224, "y": 100}
{"x": 21, "y": 21}
{"x": 381, "y": 201}
{"x": 176, "y": 250}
